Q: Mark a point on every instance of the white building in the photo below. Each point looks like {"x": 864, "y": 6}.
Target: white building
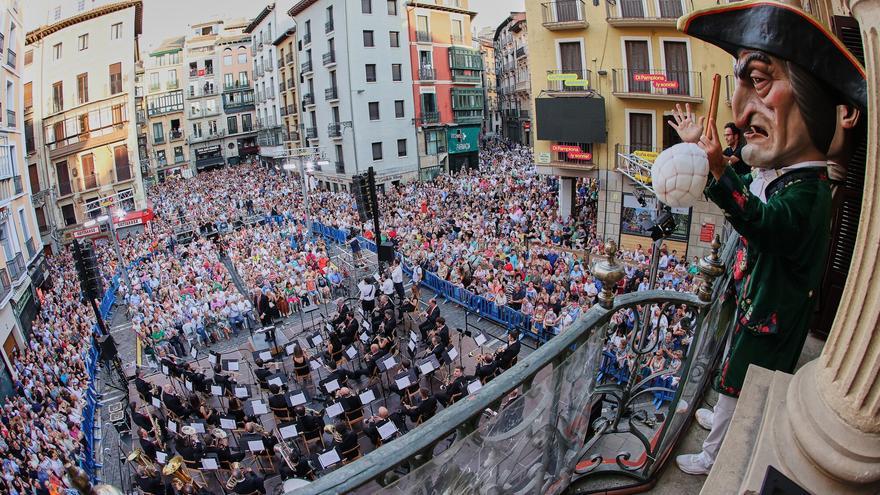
{"x": 81, "y": 71}
{"x": 264, "y": 29}
{"x": 356, "y": 88}
{"x": 204, "y": 108}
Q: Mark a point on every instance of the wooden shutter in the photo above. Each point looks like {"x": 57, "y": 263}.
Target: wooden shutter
{"x": 637, "y": 63}
{"x": 641, "y": 128}
{"x": 846, "y": 205}
{"x": 677, "y": 66}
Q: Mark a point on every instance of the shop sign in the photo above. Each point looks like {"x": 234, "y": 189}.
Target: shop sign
{"x": 565, "y": 148}
{"x": 79, "y": 234}
{"x": 579, "y": 156}
{"x": 707, "y": 232}
{"x": 544, "y": 157}
{"x": 463, "y": 139}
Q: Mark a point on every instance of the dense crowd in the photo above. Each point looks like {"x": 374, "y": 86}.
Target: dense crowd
{"x": 41, "y": 420}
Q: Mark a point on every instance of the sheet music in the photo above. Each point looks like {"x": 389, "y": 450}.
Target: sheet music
{"x": 193, "y": 352}
{"x": 164, "y": 369}
{"x": 162, "y": 457}
{"x": 402, "y": 382}
{"x": 232, "y": 365}
{"x": 227, "y": 424}
{"x": 266, "y": 356}
{"x": 389, "y": 363}
{"x": 156, "y": 402}
{"x": 214, "y": 358}
{"x": 367, "y": 396}
{"x": 288, "y": 431}
{"x": 275, "y": 381}
{"x": 412, "y": 346}
{"x": 453, "y": 353}
{"x": 289, "y": 349}
{"x": 329, "y": 327}
{"x": 426, "y": 367}
{"x": 241, "y": 392}
{"x": 216, "y": 390}
{"x": 328, "y": 458}
{"x": 209, "y": 463}
{"x": 331, "y": 386}
{"x": 474, "y": 386}
{"x": 351, "y": 352}
{"x": 256, "y": 445}
{"x": 172, "y": 426}
{"x": 259, "y": 407}
{"x": 480, "y": 339}
{"x": 387, "y": 430}
{"x": 334, "y": 409}
{"x": 199, "y": 427}
{"x": 298, "y": 399}
{"x": 413, "y": 336}
{"x": 364, "y": 338}
{"x": 316, "y": 340}
{"x": 315, "y": 364}
{"x": 189, "y": 385}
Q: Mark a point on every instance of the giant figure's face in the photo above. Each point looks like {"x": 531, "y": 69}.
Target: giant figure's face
{"x": 764, "y": 107}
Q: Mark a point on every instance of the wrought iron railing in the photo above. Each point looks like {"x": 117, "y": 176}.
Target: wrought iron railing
{"x": 334, "y": 130}
{"x": 331, "y": 93}
{"x": 423, "y": 36}
{"x": 541, "y": 426}
{"x": 663, "y": 83}
{"x": 16, "y": 267}
{"x": 563, "y": 13}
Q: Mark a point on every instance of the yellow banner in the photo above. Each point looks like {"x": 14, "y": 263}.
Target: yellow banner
{"x": 648, "y": 156}
{"x": 561, "y": 77}
{"x": 581, "y": 83}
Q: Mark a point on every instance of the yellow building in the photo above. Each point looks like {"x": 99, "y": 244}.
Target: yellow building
{"x": 288, "y": 84}
{"x": 604, "y": 81}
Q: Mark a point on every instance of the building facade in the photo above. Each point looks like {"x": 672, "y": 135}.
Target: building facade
{"x": 83, "y": 114}
{"x": 356, "y": 88}
{"x": 21, "y": 259}
{"x": 603, "y": 96}
{"x": 236, "y": 72}
{"x": 491, "y": 110}
{"x": 166, "y": 129}
{"x": 263, "y": 30}
{"x": 513, "y": 78}
{"x": 204, "y": 109}
{"x": 288, "y": 87}
{"x": 447, "y": 75}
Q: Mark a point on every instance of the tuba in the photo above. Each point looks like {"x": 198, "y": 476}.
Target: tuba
{"x": 233, "y": 479}
{"x": 176, "y": 470}
{"x": 140, "y": 458}
{"x": 287, "y": 454}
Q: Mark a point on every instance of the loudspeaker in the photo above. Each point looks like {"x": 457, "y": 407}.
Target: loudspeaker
{"x": 386, "y": 252}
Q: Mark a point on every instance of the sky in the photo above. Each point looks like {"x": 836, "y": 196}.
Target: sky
{"x": 169, "y": 18}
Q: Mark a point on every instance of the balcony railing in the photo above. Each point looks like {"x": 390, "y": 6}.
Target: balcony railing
{"x": 645, "y": 12}
{"x": 291, "y": 109}
{"x": 468, "y": 116}
{"x": 308, "y": 99}
{"x": 311, "y": 132}
{"x": 159, "y": 140}
{"x": 290, "y": 84}
{"x": 10, "y": 58}
{"x": 331, "y": 94}
{"x": 329, "y": 57}
{"x": 328, "y": 26}
{"x": 426, "y": 73}
{"x": 564, "y": 14}
{"x": 428, "y": 118}
{"x": 459, "y": 75}
{"x": 90, "y": 181}
{"x": 10, "y": 118}
{"x": 31, "y": 249}
{"x": 175, "y": 135}
{"x": 334, "y": 130}
{"x": 568, "y": 81}
{"x": 569, "y": 417}
{"x": 521, "y": 52}
{"x": 657, "y": 84}
{"x": 340, "y": 167}
{"x": 288, "y": 59}
{"x": 423, "y": 36}
{"x": 17, "y": 184}
{"x": 16, "y": 267}
{"x": 5, "y": 284}
{"x": 456, "y": 39}
{"x": 170, "y": 85}
{"x": 306, "y": 67}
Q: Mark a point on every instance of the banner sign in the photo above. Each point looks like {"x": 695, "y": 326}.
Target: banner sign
{"x": 565, "y": 148}
{"x": 555, "y": 76}
{"x": 462, "y": 140}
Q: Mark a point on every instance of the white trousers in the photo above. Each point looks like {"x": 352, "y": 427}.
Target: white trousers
{"x": 720, "y": 422}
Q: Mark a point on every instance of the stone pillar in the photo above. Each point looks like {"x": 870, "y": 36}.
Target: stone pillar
{"x": 566, "y": 197}
{"x": 833, "y": 403}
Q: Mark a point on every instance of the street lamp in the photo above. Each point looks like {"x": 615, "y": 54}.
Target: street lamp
{"x": 290, "y": 167}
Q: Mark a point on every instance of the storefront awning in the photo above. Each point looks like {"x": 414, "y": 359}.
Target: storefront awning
{"x": 210, "y": 162}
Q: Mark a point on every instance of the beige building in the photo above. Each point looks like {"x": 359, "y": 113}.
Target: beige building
{"x": 512, "y": 77}
{"x": 491, "y": 110}
{"x": 21, "y": 256}
{"x": 85, "y": 135}
{"x": 288, "y": 86}
{"x": 163, "y": 102}
{"x": 236, "y": 72}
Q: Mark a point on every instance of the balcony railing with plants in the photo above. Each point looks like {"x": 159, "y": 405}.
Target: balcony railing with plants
{"x": 564, "y": 14}
{"x": 567, "y": 417}
{"x": 645, "y": 12}
{"x": 657, "y": 84}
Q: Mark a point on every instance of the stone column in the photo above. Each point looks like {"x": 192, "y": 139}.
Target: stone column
{"x": 833, "y": 403}
{"x": 566, "y": 197}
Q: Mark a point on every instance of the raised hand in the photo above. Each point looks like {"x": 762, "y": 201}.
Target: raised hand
{"x": 686, "y": 124}
{"x": 712, "y": 146}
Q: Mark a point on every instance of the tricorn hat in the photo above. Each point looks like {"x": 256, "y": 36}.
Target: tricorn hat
{"x": 786, "y": 32}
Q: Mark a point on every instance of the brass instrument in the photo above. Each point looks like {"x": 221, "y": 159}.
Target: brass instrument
{"x": 177, "y": 470}
{"x": 156, "y": 431}
{"x": 287, "y": 454}
{"x": 233, "y": 480}
{"x": 140, "y": 458}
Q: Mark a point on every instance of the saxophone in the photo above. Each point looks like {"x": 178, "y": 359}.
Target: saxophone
{"x": 157, "y": 432}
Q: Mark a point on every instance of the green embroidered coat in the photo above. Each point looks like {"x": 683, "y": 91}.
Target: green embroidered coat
{"x": 787, "y": 243}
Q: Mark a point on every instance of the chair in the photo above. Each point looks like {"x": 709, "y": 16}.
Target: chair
{"x": 355, "y": 417}
{"x": 310, "y": 436}
{"x": 354, "y": 450}
{"x": 281, "y": 413}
